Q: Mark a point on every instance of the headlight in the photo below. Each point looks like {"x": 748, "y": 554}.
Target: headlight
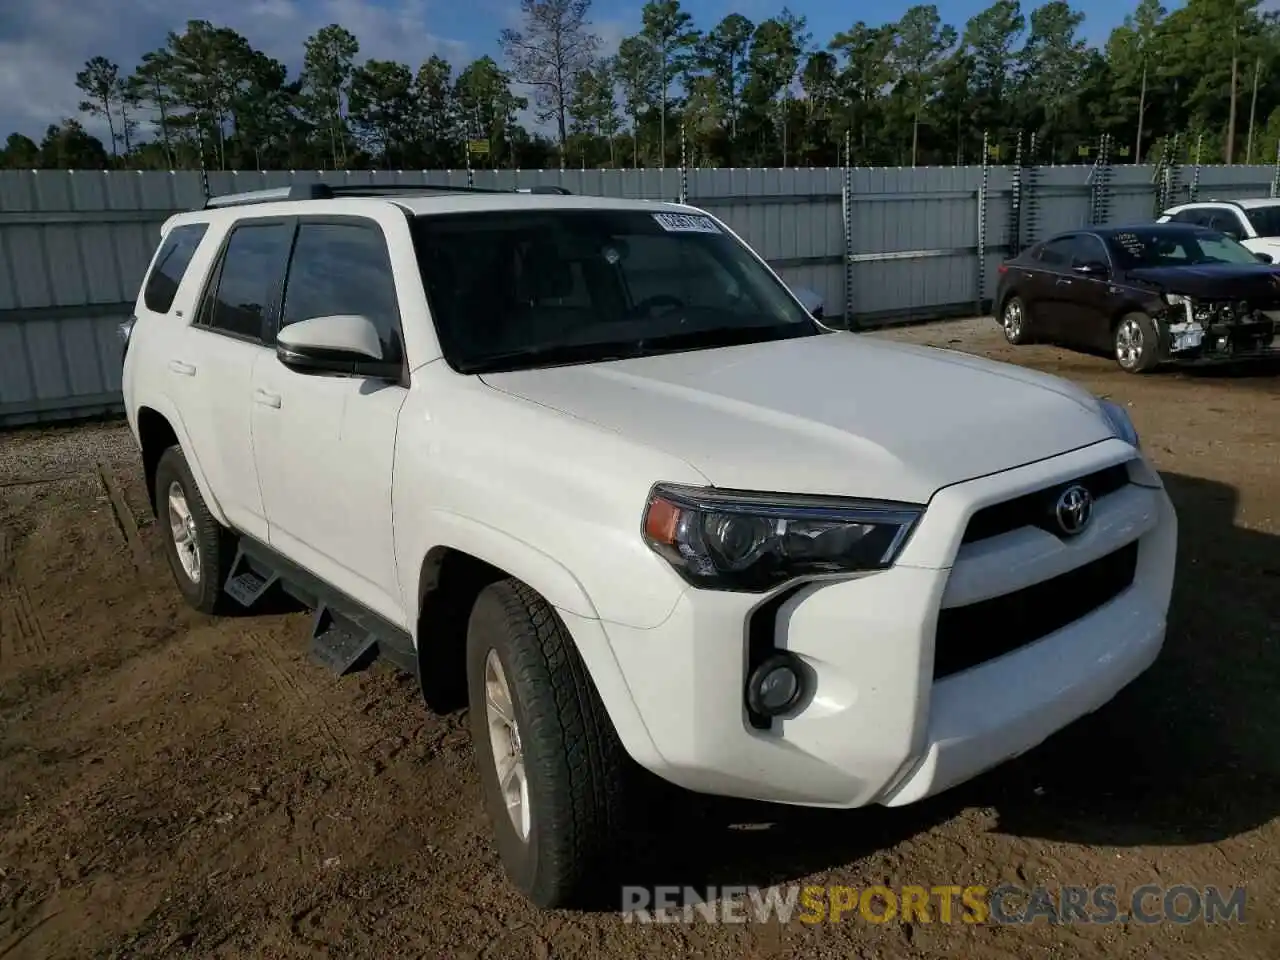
{"x": 1121, "y": 425}
{"x": 1174, "y": 299}
{"x": 735, "y": 540}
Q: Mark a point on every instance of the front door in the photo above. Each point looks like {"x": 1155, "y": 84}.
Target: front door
{"x": 324, "y": 445}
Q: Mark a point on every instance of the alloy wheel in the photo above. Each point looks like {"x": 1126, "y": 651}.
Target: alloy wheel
{"x": 505, "y": 745}
{"x": 1128, "y": 343}
{"x": 182, "y": 524}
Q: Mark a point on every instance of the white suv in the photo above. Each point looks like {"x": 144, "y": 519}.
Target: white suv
{"x": 1255, "y": 223}
{"x": 590, "y": 462}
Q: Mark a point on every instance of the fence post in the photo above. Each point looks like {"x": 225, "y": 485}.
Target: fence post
{"x": 1015, "y": 201}
{"x": 982, "y": 222}
{"x": 846, "y": 215}
{"x": 1194, "y": 190}
{"x": 1030, "y": 200}
{"x": 1275, "y": 173}
{"x": 684, "y": 166}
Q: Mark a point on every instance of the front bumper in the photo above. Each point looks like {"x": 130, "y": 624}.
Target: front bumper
{"x": 880, "y": 727}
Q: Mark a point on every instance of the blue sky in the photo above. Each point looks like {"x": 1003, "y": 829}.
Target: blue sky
{"x": 44, "y": 42}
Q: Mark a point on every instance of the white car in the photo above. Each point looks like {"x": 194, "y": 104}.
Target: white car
{"x": 1254, "y": 223}
{"x": 591, "y": 461}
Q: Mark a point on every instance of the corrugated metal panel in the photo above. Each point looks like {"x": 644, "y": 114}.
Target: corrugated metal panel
{"x": 74, "y": 245}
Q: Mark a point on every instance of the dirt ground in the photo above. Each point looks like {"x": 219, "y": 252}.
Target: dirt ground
{"x": 176, "y": 785}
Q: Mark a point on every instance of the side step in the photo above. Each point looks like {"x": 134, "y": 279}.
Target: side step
{"x": 244, "y": 583}
{"x": 340, "y": 645}
{"x": 345, "y": 635}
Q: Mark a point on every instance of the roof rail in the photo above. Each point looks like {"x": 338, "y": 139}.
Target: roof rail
{"x": 325, "y": 191}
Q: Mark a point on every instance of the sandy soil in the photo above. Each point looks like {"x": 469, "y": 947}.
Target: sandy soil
{"x": 180, "y": 786}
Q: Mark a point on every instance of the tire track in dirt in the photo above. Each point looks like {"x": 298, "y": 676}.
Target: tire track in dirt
{"x": 304, "y": 699}
{"x": 21, "y": 635}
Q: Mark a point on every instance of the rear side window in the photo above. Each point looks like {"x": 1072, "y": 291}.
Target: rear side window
{"x": 175, "y": 255}
{"x": 247, "y": 284}
{"x": 343, "y": 268}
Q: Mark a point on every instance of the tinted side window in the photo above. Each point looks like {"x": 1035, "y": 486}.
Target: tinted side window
{"x": 175, "y": 256}
{"x": 1187, "y": 216}
{"x": 1088, "y": 249}
{"x": 251, "y": 268}
{"x": 1058, "y": 252}
{"x": 343, "y": 268}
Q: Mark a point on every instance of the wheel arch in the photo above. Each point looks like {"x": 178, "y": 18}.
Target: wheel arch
{"x": 160, "y": 427}
{"x": 466, "y": 557}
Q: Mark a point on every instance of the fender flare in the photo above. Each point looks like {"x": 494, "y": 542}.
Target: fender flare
{"x": 538, "y": 569}
{"x": 163, "y": 407}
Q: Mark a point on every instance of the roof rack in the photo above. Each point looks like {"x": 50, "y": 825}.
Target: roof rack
{"x": 325, "y": 191}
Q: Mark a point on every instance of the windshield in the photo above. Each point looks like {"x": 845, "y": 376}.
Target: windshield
{"x": 517, "y": 289}
{"x": 1175, "y": 248}
{"x": 1265, "y": 220}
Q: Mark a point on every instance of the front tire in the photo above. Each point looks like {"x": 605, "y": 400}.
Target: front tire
{"x": 550, "y": 763}
{"x": 1014, "y": 321}
{"x": 197, "y": 546}
{"x": 1136, "y": 344}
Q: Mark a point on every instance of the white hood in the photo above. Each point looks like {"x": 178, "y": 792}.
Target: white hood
{"x": 838, "y": 414}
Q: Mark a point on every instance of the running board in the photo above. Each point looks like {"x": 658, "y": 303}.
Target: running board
{"x": 346, "y": 636}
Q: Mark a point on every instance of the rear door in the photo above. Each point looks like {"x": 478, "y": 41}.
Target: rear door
{"x": 1054, "y": 287}
{"x": 217, "y": 355}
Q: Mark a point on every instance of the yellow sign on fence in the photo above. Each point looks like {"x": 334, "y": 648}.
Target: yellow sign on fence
{"x": 479, "y": 147}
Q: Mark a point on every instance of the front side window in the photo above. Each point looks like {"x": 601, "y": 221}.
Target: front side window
{"x": 175, "y": 255}
{"x": 252, "y": 265}
{"x": 1058, "y": 253}
{"x": 1265, "y": 220}
{"x": 343, "y": 268}
{"x": 519, "y": 289}
{"x": 1135, "y": 249}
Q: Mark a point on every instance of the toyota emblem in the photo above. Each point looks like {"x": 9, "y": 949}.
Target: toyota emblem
{"x": 1074, "y": 509}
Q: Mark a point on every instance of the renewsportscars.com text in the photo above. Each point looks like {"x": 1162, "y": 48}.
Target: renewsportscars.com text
{"x": 946, "y": 904}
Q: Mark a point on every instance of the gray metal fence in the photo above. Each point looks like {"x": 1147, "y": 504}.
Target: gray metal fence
{"x": 897, "y": 244}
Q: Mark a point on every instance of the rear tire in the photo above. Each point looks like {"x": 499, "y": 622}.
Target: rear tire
{"x": 1135, "y": 343}
{"x": 198, "y": 548}
{"x": 557, "y": 837}
{"x": 1014, "y": 321}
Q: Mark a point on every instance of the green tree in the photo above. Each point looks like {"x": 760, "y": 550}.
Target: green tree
{"x": 384, "y": 108}
{"x": 327, "y": 66}
{"x": 867, "y": 71}
{"x": 554, "y": 47}
{"x": 20, "y": 153}
{"x": 594, "y": 107}
{"x": 99, "y": 81}
{"x": 436, "y": 111}
{"x": 723, "y": 54}
{"x": 670, "y": 34}
{"x": 990, "y": 38}
{"x": 1052, "y": 63}
{"x": 638, "y": 80}
{"x": 486, "y": 106}
{"x": 923, "y": 42}
{"x": 68, "y": 147}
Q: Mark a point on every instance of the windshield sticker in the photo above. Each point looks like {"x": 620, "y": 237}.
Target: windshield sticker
{"x": 685, "y": 223}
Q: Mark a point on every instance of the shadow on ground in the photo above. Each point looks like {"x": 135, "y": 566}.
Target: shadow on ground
{"x": 1188, "y": 753}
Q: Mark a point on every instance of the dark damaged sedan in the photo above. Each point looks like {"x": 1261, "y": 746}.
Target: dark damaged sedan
{"x": 1148, "y": 294}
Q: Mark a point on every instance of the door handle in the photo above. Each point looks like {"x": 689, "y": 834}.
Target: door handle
{"x": 1063, "y": 281}
{"x": 266, "y": 398}
{"x": 184, "y": 369}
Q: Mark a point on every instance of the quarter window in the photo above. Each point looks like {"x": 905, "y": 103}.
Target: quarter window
{"x": 343, "y": 268}
{"x": 175, "y": 255}
{"x": 247, "y": 284}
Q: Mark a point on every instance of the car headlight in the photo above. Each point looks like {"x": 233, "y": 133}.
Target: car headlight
{"x": 1175, "y": 299}
{"x": 1120, "y": 422}
{"x": 736, "y": 540}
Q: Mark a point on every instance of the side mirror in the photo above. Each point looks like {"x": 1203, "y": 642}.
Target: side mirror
{"x": 1092, "y": 268}
{"x": 1264, "y": 257}
{"x": 344, "y": 344}
{"x": 811, "y": 300}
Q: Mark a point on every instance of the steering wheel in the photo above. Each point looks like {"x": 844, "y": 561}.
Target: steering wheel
{"x": 660, "y": 299}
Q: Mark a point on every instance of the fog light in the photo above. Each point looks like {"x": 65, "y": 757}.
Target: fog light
{"x": 775, "y": 686}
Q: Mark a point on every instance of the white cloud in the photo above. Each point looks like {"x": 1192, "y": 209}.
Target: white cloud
{"x": 44, "y": 42}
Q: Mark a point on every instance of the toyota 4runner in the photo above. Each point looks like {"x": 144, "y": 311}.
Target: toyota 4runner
{"x": 590, "y": 464}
